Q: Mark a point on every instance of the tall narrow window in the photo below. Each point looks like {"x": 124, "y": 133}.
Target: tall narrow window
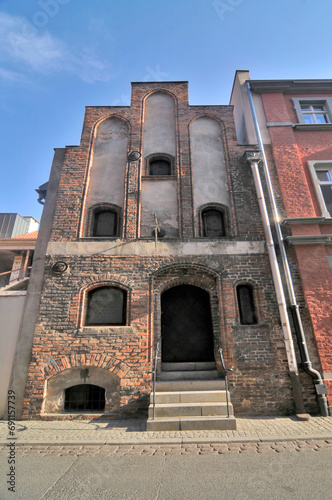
{"x": 105, "y": 223}
{"x": 213, "y": 223}
{"x": 106, "y": 306}
{"x": 85, "y": 397}
{"x": 321, "y": 174}
{"x": 324, "y": 177}
{"x": 245, "y": 298}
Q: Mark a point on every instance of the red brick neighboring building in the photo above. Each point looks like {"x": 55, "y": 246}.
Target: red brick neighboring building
{"x": 112, "y": 290}
{"x": 295, "y": 119}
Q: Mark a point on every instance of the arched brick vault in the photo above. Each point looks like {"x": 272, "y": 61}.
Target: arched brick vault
{"x": 106, "y": 361}
{"x": 187, "y": 274}
{"x": 160, "y": 91}
{"x": 108, "y": 373}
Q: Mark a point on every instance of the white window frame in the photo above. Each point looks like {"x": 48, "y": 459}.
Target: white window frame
{"x": 325, "y": 101}
{"x": 313, "y": 167}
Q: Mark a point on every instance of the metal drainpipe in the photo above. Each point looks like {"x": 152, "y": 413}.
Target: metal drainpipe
{"x": 320, "y": 387}
{"x": 254, "y": 158}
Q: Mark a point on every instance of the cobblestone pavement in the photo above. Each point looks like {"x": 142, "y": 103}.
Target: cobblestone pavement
{"x": 298, "y": 446}
{"x": 133, "y": 432}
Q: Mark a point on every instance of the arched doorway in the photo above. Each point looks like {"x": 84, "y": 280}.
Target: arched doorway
{"x": 186, "y": 325}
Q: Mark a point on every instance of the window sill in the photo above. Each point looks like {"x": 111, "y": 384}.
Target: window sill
{"x": 99, "y": 238}
{"x": 253, "y": 325}
{"x": 213, "y": 239}
{"x": 103, "y": 331}
{"x": 158, "y": 177}
{"x": 312, "y": 126}
{"x": 308, "y": 220}
{"x": 319, "y": 239}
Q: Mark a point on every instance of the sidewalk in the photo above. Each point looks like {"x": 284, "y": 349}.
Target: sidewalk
{"x": 132, "y": 432}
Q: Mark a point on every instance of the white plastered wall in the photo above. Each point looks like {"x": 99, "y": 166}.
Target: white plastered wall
{"x": 244, "y": 124}
{"x": 208, "y": 163}
{"x": 11, "y": 309}
{"x": 107, "y": 174}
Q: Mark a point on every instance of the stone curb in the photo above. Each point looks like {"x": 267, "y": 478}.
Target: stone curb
{"x": 165, "y": 441}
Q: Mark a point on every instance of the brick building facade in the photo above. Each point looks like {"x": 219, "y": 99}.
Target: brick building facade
{"x": 157, "y": 234}
{"x": 295, "y": 119}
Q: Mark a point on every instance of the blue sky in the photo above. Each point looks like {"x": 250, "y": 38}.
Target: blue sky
{"x": 58, "y": 56}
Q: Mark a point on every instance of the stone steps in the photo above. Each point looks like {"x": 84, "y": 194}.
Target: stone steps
{"x": 189, "y": 409}
{"x": 190, "y": 385}
{"x": 191, "y": 423}
{"x": 206, "y": 396}
{"x": 189, "y": 375}
{"x": 190, "y": 396}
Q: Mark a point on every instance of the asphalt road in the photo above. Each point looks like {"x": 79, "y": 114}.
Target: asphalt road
{"x": 232, "y": 476}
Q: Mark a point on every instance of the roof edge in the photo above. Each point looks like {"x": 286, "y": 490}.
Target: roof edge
{"x": 291, "y": 86}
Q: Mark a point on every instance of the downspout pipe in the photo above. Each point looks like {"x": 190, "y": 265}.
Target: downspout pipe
{"x": 320, "y": 387}
{"x": 254, "y": 158}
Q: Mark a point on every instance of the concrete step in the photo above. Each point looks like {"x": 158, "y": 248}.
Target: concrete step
{"x": 189, "y": 375}
{"x": 217, "y": 396}
{"x": 217, "y": 384}
{"x": 190, "y": 409}
{"x": 191, "y": 423}
{"x": 199, "y": 366}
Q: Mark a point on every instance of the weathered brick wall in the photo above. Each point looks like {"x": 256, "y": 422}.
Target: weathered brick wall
{"x": 260, "y": 384}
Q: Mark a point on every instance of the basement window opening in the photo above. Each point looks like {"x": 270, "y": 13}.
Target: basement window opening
{"x": 85, "y": 397}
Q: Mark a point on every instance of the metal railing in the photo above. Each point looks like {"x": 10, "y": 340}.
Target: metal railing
{"x": 154, "y": 375}
{"x": 226, "y": 381}
{"x": 5, "y": 276}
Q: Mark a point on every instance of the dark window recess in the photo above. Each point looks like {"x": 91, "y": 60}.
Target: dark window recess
{"x": 160, "y": 167}
{"x": 85, "y": 397}
{"x": 106, "y": 306}
{"x": 105, "y": 223}
{"x": 213, "y": 224}
{"x": 246, "y": 305}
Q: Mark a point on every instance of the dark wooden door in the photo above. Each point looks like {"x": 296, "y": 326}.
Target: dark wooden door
{"x": 186, "y": 325}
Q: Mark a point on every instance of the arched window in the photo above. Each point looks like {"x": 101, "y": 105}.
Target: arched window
{"x": 160, "y": 166}
{"x": 84, "y": 397}
{"x": 105, "y": 221}
{"x": 245, "y": 297}
{"x": 213, "y": 223}
{"x": 106, "y": 306}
